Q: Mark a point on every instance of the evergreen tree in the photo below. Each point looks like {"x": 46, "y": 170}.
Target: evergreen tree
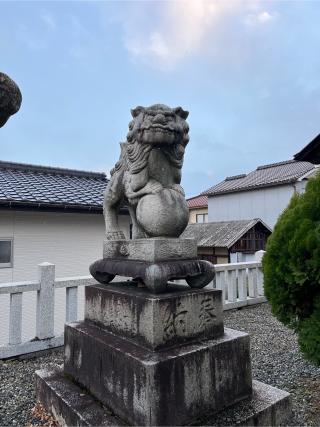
{"x": 291, "y": 268}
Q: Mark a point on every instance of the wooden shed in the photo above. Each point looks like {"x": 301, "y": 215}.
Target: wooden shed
{"x": 229, "y": 241}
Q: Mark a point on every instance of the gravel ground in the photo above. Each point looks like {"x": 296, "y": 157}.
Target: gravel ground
{"x": 275, "y": 360}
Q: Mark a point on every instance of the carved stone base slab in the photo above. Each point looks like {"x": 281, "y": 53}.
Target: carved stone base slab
{"x": 150, "y": 250}
{"x": 197, "y": 273}
{"x": 168, "y": 387}
{"x": 73, "y": 406}
{"x": 156, "y": 321}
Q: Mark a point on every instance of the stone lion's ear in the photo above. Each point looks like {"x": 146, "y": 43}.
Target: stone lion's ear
{"x": 181, "y": 112}
{"x": 136, "y": 111}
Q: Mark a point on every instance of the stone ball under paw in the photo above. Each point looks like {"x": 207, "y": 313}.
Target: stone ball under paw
{"x": 164, "y": 214}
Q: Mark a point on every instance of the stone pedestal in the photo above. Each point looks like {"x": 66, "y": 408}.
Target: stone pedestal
{"x": 154, "y": 262}
{"x": 150, "y": 359}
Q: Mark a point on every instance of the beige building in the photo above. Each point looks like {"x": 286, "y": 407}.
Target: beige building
{"x": 198, "y": 209}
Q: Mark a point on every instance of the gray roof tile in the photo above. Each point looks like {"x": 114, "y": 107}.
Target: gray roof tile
{"x": 263, "y": 176}
{"x": 46, "y": 186}
{"x": 220, "y": 233}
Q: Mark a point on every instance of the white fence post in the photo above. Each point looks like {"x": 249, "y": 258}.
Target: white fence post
{"x": 258, "y": 256}
{"x": 232, "y": 285}
{"x": 15, "y": 320}
{"x": 221, "y": 284}
{"x": 45, "y": 301}
{"x": 72, "y": 304}
{"x": 242, "y": 284}
{"x": 252, "y": 282}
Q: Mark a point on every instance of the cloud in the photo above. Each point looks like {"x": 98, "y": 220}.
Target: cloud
{"x": 155, "y": 45}
{"x": 259, "y": 18}
{"x": 180, "y": 29}
{"x": 48, "y": 20}
{"x": 179, "y": 33}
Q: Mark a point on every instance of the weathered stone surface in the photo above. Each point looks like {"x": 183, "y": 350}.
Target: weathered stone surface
{"x": 72, "y": 405}
{"x": 169, "y": 387}
{"x": 165, "y": 213}
{"x": 178, "y": 316}
{"x": 198, "y": 273}
{"x": 147, "y": 179}
{"x": 10, "y": 98}
{"x": 151, "y": 250}
{"x": 148, "y": 174}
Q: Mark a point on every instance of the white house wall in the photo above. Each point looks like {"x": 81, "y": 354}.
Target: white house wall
{"x": 266, "y": 204}
{"x": 70, "y": 241}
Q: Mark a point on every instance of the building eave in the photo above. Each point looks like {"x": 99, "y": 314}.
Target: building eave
{"x": 252, "y": 188}
{"x": 55, "y": 207}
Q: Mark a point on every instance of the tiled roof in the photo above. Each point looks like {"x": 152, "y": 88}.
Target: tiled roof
{"x": 220, "y": 234}
{"x": 197, "y": 202}
{"x": 263, "y": 176}
{"x": 311, "y": 152}
{"x": 48, "y": 187}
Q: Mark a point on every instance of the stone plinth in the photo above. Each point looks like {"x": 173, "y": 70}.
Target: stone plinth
{"x": 156, "y": 360}
{"x": 150, "y": 250}
{"x": 169, "y": 387}
{"x": 115, "y": 353}
{"x": 72, "y": 405}
{"x": 153, "y": 261}
{"x": 175, "y": 317}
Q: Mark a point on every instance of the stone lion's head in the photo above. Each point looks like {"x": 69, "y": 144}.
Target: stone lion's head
{"x": 159, "y": 125}
{"x": 10, "y": 98}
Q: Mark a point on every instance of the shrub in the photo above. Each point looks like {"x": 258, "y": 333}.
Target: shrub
{"x": 291, "y": 264}
{"x": 309, "y": 335}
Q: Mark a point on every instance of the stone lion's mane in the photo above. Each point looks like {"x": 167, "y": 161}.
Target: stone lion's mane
{"x": 134, "y": 155}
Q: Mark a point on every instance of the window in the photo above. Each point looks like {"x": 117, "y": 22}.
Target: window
{"x": 202, "y": 218}
{"x": 5, "y": 253}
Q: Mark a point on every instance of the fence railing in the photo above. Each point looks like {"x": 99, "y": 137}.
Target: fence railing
{"x": 241, "y": 285}
{"x": 45, "y": 287}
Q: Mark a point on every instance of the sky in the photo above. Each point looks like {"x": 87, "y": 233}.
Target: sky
{"x": 248, "y": 72}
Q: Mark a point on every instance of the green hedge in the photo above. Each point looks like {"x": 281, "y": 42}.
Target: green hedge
{"x": 291, "y": 267}
{"x": 309, "y": 335}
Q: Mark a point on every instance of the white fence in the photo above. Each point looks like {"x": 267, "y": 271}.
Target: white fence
{"x": 45, "y": 287}
{"x": 241, "y": 285}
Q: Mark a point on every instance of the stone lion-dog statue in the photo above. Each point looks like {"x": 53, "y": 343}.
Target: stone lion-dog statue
{"x": 148, "y": 174}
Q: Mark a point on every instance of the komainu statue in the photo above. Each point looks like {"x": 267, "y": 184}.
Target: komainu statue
{"x": 147, "y": 180}
{"x": 10, "y": 98}
{"x": 147, "y": 176}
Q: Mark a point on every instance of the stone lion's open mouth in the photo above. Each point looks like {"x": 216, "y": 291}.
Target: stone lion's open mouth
{"x": 159, "y": 127}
